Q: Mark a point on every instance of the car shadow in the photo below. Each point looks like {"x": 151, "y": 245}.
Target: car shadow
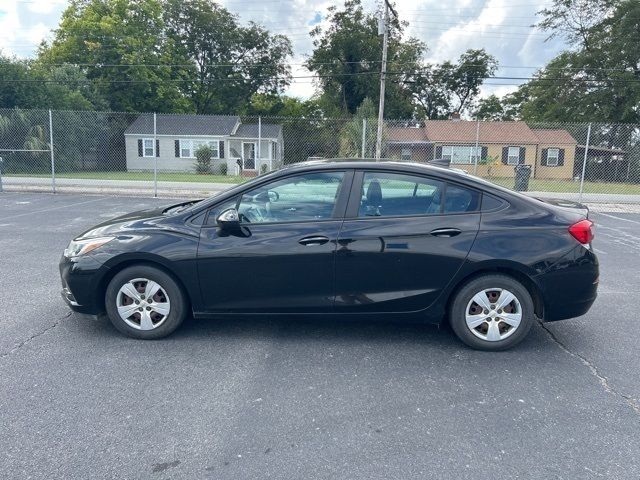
{"x": 316, "y": 331}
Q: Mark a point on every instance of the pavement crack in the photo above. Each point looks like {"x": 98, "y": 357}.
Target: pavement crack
{"x": 604, "y": 381}
{"x": 34, "y": 336}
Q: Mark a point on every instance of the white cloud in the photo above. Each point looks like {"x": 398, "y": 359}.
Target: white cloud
{"x": 44, "y": 6}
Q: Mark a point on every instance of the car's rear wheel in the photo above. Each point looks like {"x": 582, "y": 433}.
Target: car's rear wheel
{"x": 492, "y": 312}
{"x": 145, "y": 302}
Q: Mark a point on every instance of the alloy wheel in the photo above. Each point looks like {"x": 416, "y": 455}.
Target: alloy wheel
{"x": 493, "y": 314}
{"x": 143, "y": 304}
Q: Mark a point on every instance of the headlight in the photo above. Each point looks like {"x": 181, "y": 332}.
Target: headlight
{"x": 80, "y": 247}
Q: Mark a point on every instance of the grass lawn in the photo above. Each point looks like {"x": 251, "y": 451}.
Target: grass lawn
{"x": 144, "y": 176}
{"x": 569, "y": 186}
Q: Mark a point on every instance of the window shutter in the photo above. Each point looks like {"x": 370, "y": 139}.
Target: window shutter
{"x": 543, "y": 158}
{"x": 505, "y": 155}
{"x": 221, "y": 148}
{"x": 561, "y": 157}
{"x": 438, "y": 153}
{"x": 521, "y": 154}
{"x": 157, "y": 148}
{"x": 139, "y": 147}
{"x": 484, "y": 153}
{"x": 177, "y": 148}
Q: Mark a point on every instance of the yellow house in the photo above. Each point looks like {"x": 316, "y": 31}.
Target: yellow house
{"x": 486, "y": 148}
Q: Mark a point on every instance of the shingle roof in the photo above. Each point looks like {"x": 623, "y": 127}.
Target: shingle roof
{"x": 251, "y": 131}
{"x": 406, "y": 135}
{"x": 169, "y": 124}
{"x": 462, "y": 131}
{"x": 554, "y": 137}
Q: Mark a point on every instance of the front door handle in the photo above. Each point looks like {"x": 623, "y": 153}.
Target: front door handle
{"x": 313, "y": 240}
{"x": 445, "y": 232}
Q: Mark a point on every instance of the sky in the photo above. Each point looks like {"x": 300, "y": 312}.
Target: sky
{"x": 448, "y": 27}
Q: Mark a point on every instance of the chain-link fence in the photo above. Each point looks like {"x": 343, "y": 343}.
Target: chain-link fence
{"x": 195, "y": 155}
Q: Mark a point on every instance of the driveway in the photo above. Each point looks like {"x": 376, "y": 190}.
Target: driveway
{"x": 305, "y": 398}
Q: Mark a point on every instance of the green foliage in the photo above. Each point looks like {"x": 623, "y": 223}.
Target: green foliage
{"x": 494, "y": 108}
{"x": 347, "y": 59}
{"x": 223, "y": 169}
{"x": 203, "y": 159}
{"x": 440, "y": 90}
{"x": 598, "y": 79}
{"x": 351, "y": 133}
{"x": 263, "y": 168}
{"x": 281, "y": 106}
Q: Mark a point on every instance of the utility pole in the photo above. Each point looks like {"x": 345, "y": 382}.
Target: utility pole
{"x": 383, "y": 74}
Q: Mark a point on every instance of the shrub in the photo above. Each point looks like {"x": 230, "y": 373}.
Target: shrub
{"x": 223, "y": 169}
{"x": 263, "y": 168}
{"x": 203, "y": 159}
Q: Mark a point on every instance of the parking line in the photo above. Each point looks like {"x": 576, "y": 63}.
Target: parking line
{"x": 618, "y": 218}
{"x": 53, "y": 208}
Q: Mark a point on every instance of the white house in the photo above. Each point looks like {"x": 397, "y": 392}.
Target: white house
{"x": 239, "y": 146}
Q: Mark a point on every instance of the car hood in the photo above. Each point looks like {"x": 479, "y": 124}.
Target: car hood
{"x": 151, "y": 218}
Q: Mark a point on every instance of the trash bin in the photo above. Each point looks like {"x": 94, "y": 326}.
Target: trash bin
{"x": 523, "y": 173}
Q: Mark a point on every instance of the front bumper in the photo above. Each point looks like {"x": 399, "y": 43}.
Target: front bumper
{"x": 82, "y": 287}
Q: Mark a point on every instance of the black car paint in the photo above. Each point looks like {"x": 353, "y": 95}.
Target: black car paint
{"x": 379, "y": 265}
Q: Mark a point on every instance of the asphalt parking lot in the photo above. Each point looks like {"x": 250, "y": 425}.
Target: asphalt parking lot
{"x": 301, "y": 398}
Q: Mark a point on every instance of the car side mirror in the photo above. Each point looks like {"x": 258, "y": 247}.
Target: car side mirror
{"x": 229, "y": 219}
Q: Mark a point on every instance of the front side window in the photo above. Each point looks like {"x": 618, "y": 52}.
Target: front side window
{"x": 553, "y": 154}
{"x": 461, "y": 154}
{"x": 513, "y": 156}
{"x": 306, "y": 197}
{"x": 394, "y": 194}
{"x": 149, "y": 147}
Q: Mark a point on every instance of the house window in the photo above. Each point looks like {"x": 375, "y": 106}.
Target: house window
{"x": 405, "y": 154}
{"x": 513, "y": 157}
{"x": 461, "y": 154}
{"x": 149, "y": 147}
{"x": 188, "y": 148}
{"x": 553, "y": 154}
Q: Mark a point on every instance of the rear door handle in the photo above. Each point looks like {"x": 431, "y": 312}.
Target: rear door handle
{"x": 313, "y": 240}
{"x": 445, "y": 232}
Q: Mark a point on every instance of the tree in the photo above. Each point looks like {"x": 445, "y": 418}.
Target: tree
{"x": 347, "y": 57}
{"x": 225, "y": 63}
{"x": 281, "y": 106}
{"x": 599, "y": 80}
{"x": 495, "y": 108}
{"x": 121, "y": 47}
{"x": 352, "y": 133}
{"x": 440, "y": 90}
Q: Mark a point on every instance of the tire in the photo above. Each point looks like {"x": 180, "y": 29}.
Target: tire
{"x": 149, "y": 318}
{"x": 499, "y": 319}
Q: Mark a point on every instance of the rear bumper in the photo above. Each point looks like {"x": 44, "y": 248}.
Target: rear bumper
{"x": 570, "y": 287}
{"x": 81, "y": 283}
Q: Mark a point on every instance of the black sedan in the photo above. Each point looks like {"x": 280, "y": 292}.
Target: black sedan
{"x": 346, "y": 238}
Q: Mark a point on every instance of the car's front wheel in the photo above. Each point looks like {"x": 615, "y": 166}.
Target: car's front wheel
{"x": 145, "y": 302}
{"x": 492, "y": 312}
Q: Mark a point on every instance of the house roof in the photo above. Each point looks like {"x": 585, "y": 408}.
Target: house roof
{"x": 406, "y": 135}
{"x": 268, "y": 130}
{"x": 462, "y": 131}
{"x": 554, "y": 137}
{"x": 170, "y": 124}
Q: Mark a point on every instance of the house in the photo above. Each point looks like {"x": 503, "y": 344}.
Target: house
{"x": 486, "y": 148}
{"x": 251, "y": 148}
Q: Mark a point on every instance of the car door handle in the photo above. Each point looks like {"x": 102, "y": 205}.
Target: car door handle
{"x": 313, "y": 240}
{"x": 445, "y": 232}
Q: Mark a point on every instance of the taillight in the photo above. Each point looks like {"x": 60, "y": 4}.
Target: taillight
{"x": 582, "y": 231}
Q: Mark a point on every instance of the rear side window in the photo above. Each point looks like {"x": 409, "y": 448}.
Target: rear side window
{"x": 489, "y": 202}
{"x": 394, "y": 194}
{"x": 459, "y": 199}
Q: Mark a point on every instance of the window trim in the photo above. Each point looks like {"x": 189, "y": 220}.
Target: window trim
{"x": 517, "y": 156}
{"x": 556, "y": 158}
{"x": 192, "y": 149}
{"x": 144, "y": 147}
{"x": 472, "y": 158}
{"x": 353, "y": 206}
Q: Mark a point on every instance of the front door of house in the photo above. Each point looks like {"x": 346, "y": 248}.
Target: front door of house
{"x": 249, "y": 156}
